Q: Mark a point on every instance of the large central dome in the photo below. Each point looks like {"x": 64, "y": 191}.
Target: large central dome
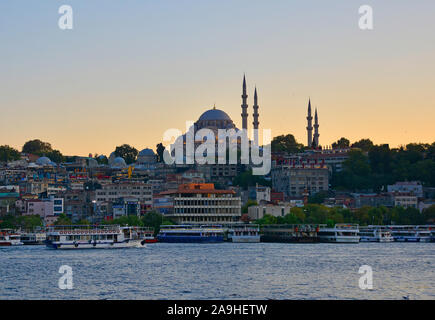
{"x": 214, "y": 114}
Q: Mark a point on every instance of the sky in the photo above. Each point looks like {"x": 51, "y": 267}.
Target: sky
{"x": 129, "y": 70}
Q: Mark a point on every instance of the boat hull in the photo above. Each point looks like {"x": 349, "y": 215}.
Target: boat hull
{"x": 340, "y": 239}
{"x": 245, "y": 239}
{"x": 190, "y": 239}
{"x": 98, "y": 245}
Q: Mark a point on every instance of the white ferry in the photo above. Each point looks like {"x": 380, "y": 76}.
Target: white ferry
{"x": 375, "y": 234}
{"x": 424, "y": 233}
{"x": 191, "y": 233}
{"x": 404, "y": 233}
{"x": 94, "y": 237}
{"x": 33, "y": 238}
{"x": 9, "y": 238}
{"x": 341, "y": 233}
{"x": 244, "y": 233}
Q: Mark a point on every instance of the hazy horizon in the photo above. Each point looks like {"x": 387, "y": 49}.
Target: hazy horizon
{"x": 130, "y": 70}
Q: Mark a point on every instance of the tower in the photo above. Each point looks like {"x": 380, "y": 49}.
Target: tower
{"x": 316, "y": 130}
{"x": 309, "y": 127}
{"x": 244, "y": 106}
{"x": 255, "y": 115}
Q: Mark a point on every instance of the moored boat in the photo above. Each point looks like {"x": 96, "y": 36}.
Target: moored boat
{"x": 341, "y": 233}
{"x": 244, "y": 233}
{"x": 375, "y": 234}
{"x": 33, "y": 238}
{"x": 191, "y": 233}
{"x": 9, "y": 237}
{"x": 404, "y": 233}
{"x": 94, "y": 237}
{"x": 290, "y": 233}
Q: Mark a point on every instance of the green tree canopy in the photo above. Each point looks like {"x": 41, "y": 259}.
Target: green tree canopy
{"x": 127, "y": 152}
{"x": 363, "y": 144}
{"x": 8, "y": 153}
{"x": 41, "y": 148}
{"x": 341, "y": 143}
{"x": 286, "y": 143}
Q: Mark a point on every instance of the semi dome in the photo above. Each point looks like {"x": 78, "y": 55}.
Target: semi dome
{"x": 119, "y": 162}
{"x": 214, "y": 114}
{"x": 92, "y": 163}
{"x": 146, "y": 156}
{"x": 146, "y": 152}
{"x": 43, "y": 161}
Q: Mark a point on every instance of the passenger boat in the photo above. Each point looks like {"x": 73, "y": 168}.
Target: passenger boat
{"x": 148, "y": 235}
{"x": 290, "y": 233}
{"x": 341, "y": 233}
{"x": 33, "y": 238}
{"x": 9, "y": 238}
{"x": 244, "y": 233}
{"x": 94, "y": 237}
{"x": 423, "y": 233}
{"x": 191, "y": 233}
{"x": 375, "y": 234}
{"x": 404, "y": 233}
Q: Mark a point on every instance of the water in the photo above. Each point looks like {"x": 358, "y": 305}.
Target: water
{"x": 222, "y": 271}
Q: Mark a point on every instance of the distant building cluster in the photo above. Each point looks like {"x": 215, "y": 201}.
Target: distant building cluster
{"x": 88, "y": 188}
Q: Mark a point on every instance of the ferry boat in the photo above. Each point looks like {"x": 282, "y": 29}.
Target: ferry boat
{"x": 341, "y": 233}
{"x": 375, "y": 234}
{"x": 33, "y": 238}
{"x": 290, "y": 233}
{"x": 424, "y": 233}
{"x": 148, "y": 235}
{"x": 94, "y": 237}
{"x": 9, "y": 238}
{"x": 244, "y": 233}
{"x": 404, "y": 233}
{"x": 191, "y": 233}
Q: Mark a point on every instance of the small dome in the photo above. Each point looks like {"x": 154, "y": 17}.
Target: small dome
{"x": 43, "y": 161}
{"x": 146, "y": 152}
{"x": 214, "y": 114}
{"x": 119, "y": 163}
{"x": 92, "y": 163}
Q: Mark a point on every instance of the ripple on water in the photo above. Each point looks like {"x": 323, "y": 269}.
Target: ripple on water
{"x": 221, "y": 271}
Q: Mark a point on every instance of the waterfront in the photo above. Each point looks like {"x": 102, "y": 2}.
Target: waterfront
{"x": 222, "y": 271}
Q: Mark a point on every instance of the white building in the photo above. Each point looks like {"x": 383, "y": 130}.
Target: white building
{"x": 412, "y": 187}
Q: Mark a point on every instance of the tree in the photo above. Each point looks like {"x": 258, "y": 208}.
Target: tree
{"x": 127, "y": 152}
{"x": 159, "y": 150}
{"x": 36, "y": 147}
{"x": 248, "y": 204}
{"x": 429, "y": 214}
{"x": 246, "y": 179}
{"x": 342, "y": 143}
{"x": 29, "y": 222}
{"x": 363, "y": 144}
{"x": 318, "y": 197}
{"x": 286, "y": 143}
{"x": 8, "y": 153}
{"x": 62, "y": 220}
{"x": 41, "y": 148}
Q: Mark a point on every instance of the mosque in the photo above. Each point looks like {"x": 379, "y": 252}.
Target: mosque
{"x": 215, "y": 119}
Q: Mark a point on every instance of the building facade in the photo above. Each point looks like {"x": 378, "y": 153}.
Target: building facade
{"x": 201, "y": 204}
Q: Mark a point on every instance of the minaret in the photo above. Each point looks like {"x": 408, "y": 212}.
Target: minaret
{"x": 244, "y": 106}
{"x": 309, "y": 127}
{"x": 316, "y": 130}
{"x": 255, "y": 114}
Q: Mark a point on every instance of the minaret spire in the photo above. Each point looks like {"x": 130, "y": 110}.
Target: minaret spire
{"x": 309, "y": 127}
{"x": 256, "y": 115}
{"x": 316, "y": 130}
{"x": 244, "y": 106}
